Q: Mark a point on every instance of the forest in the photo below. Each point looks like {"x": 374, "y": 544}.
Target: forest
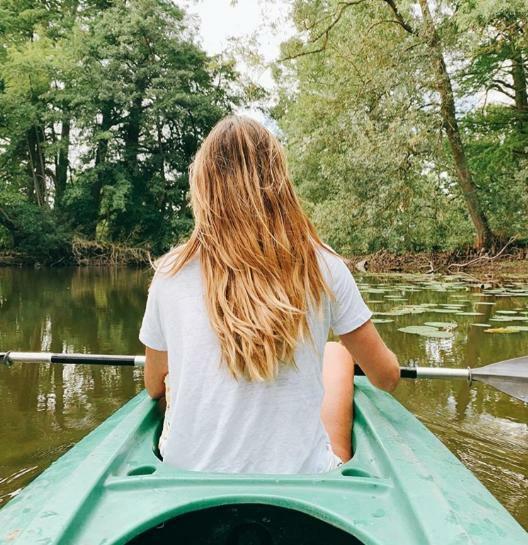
{"x": 405, "y": 123}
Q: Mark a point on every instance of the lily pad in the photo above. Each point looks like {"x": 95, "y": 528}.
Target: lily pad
{"x": 470, "y": 314}
{"x": 508, "y": 319}
{"x": 506, "y": 311}
{"x": 442, "y": 325}
{"x": 390, "y": 313}
{"x": 481, "y": 325}
{"x": 425, "y": 331}
{"x": 374, "y": 290}
{"x": 381, "y": 320}
{"x": 508, "y": 329}
{"x": 509, "y": 294}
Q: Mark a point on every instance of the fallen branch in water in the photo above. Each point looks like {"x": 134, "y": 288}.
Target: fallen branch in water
{"x": 482, "y": 258}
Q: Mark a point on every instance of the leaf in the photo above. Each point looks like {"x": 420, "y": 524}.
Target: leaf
{"x": 381, "y": 320}
{"x": 509, "y": 329}
{"x": 508, "y": 319}
{"x": 425, "y": 331}
{"x": 442, "y": 325}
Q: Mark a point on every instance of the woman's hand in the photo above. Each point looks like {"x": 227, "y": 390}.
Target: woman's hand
{"x": 156, "y": 368}
{"x": 369, "y": 351}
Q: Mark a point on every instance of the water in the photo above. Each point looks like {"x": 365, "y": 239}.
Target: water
{"x": 46, "y": 409}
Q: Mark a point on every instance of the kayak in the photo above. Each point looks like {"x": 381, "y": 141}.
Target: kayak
{"x": 402, "y": 487}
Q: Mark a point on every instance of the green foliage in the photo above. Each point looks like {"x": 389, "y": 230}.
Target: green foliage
{"x": 29, "y": 229}
{"x": 360, "y": 115}
{"x": 103, "y": 105}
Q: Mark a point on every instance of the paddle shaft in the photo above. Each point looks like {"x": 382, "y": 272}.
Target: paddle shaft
{"x": 89, "y": 359}
{"x": 126, "y": 361}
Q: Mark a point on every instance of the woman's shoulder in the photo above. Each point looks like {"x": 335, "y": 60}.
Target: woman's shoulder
{"x": 329, "y": 257}
{"x": 168, "y": 265}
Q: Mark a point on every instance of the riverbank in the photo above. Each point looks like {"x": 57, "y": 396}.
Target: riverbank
{"x": 509, "y": 261}
{"x": 83, "y": 252}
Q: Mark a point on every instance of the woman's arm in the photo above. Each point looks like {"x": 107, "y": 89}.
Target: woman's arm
{"x": 367, "y": 348}
{"x": 156, "y": 368}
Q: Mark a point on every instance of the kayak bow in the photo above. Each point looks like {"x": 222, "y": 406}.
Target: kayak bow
{"x": 402, "y": 487}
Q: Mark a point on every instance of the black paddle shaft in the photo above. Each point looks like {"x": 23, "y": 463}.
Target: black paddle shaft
{"x": 90, "y": 359}
{"x": 405, "y": 372}
{"x": 93, "y": 360}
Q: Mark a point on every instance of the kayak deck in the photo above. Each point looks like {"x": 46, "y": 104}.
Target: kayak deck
{"x": 402, "y": 487}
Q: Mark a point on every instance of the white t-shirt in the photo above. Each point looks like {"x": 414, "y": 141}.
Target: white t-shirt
{"x": 215, "y": 423}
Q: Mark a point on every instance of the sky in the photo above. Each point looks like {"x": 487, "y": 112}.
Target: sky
{"x": 220, "y": 20}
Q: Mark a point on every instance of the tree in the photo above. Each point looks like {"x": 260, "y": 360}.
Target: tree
{"x": 494, "y": 50}
{"x": 103, "y": 105}
{"x": 422, "y": 40}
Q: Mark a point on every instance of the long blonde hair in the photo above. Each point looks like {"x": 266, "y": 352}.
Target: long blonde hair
{"x": 257, "y": 248}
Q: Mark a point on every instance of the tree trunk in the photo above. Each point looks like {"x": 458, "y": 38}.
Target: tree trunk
{"x": 102, "y": 149}
{"x": 101, "y": 153}
{"x": 484, "y": 236}
{"x": 161, "y": 151}
{"x": 132, "y": 132}
{"x": 61, "y": 174}
{"x": 519, "y": 83}
{"x": 36, "y": 165}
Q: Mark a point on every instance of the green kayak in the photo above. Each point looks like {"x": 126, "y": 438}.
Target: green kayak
{"x": 402, "y": 487}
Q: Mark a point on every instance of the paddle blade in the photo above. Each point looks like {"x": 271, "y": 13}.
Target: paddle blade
{"x": 510, "y": 377}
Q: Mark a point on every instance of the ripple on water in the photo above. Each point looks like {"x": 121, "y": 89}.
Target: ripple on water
{"x": 495, "y": 450}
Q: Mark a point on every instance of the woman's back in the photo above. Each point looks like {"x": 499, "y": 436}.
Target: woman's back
{"x": 238, "y": 317}
{"x": 215, "y": 422}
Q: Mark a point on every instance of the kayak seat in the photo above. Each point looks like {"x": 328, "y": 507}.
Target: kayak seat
{"x": 239, "y": 524}
{"x": 245, "y": 524}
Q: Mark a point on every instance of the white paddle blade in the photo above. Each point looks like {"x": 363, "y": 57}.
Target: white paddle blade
{"x": 510, "y": 377}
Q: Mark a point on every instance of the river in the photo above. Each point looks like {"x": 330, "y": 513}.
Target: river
{"x": 46, "y": 409}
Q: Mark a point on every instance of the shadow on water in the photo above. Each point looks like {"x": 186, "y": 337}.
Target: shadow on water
{"x": 46, "y": 409}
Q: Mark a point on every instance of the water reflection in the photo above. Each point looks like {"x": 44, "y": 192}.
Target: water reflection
{"x": 46, "y": 409}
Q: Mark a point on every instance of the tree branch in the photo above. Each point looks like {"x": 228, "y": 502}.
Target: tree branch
{"x": 497, "y": 87}
{"x": 377, "y": 23}
{"x": 324, "y": 34}
{"x": 503, "y": 84}
{"x": 8, "y": 222}
{"x": 399, "y": 18}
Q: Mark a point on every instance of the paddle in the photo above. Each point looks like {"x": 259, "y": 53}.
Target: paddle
{"x": 509, "y": 376}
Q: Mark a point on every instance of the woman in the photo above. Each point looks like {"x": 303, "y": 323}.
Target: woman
{"x": 237, "y": 320}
